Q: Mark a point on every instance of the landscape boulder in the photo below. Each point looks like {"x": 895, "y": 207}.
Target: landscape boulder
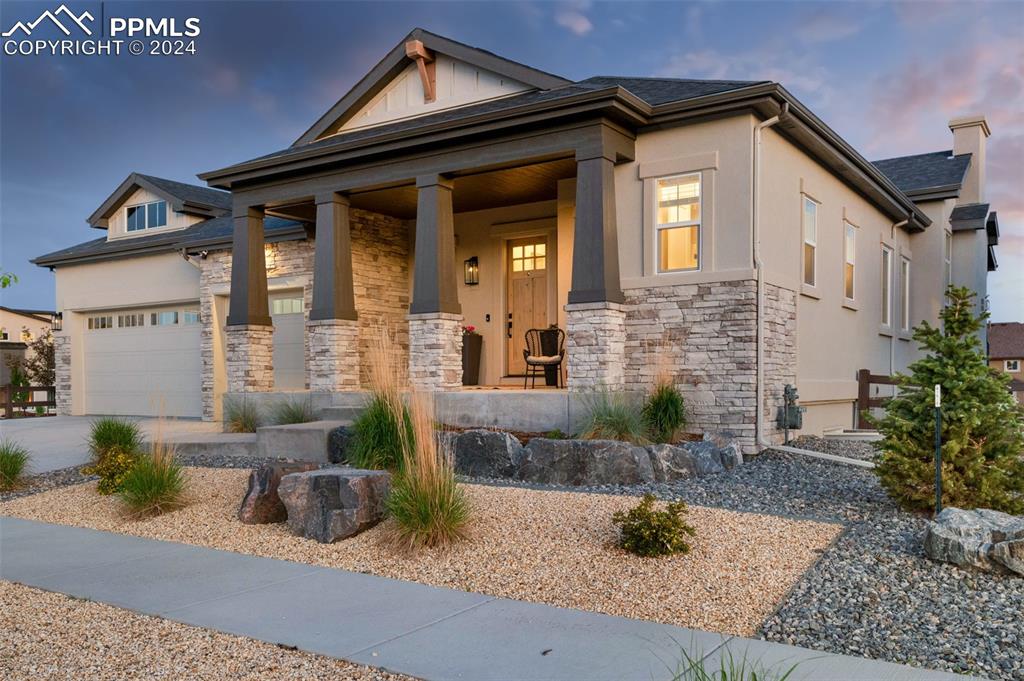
{"x": 339, "y": 441}
{"x": 729, "y": 450}
{"x": 984, "y": 539}
{"x": 334, "y": 503}
{"x": 486, "y": 454}
{"x": 261, "y": 503}
{"x": 554, "y": 462}
{"x": 584, "y": 462}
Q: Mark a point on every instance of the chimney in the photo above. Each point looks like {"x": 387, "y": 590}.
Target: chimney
{"x": 969, "y": 135}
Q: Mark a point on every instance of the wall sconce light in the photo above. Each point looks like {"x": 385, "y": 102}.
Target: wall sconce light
{"x": 472, "y": 271}
{"x": 58, "y": 322}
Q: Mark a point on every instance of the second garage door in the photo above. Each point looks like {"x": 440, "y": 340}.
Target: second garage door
{"x": 143, "y": 362}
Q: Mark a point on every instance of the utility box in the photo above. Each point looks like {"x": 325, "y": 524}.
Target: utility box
{"x": 791, "y": 415}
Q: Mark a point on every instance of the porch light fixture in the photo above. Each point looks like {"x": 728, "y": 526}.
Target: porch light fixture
{"x": 472, "y": 271}
{"x": 58, "y": 322}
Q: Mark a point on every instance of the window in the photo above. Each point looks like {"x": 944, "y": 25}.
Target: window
{"x": 190, "y": 317}
{"x": 947, "y": 258}
{"x": 904, "y": 294}
{"x": 101, "y": 322}
{"x": 529, "y": 257}
{"x": 130, "y": 320}
{"x": 3, "y": 334}
{"x": 147, "y": 216}
{"x": 286, "y": 306}
{"x": 677, "y": 223}
{"x": 810, "y": 229}
{"x": 1012, "y": 365}
{"x": 163, "y": 318}
{"x": 886, "y": 286}
{"x": 849, "y": 261}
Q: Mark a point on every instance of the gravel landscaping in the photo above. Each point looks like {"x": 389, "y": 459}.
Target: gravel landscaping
{"x": 541, "y": 546}
{"x": 52, "y": 636}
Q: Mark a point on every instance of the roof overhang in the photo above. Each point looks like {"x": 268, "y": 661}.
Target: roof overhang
{"x": 101, "y": 216}
{"x": 969, "y": 217}
{"x": 949, "y": 191}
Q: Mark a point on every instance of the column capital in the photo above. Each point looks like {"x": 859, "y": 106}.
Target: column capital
{"x": 424, "y": 181}
{"x": 243, "y": 210}
{"x": 332, "y": 197}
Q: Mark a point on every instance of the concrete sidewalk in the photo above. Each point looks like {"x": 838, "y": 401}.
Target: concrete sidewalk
{"x": 423, "y": 631}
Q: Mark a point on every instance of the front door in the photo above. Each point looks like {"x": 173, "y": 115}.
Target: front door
{"x": 527, "y": 295}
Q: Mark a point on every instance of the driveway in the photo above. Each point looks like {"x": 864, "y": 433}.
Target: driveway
{"x": 60, "y": 441}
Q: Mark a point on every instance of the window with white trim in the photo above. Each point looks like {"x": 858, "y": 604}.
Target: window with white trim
{"x": 169, "y": 318}
{"x": 810, "y": 232}
{"x": 849, "y": 261}
{"x": 125, "y": 321}
{"x": 101, "y": 322}
{"x": 1012, "y": 365}
{"x": 886, "y": 286}
{"x": 146, "y": 216}
{"x": 286, "y": 306}
{"x": 904, "y": 294}
{"x": 190, "y": 317}
{"x": 677, "y": 220}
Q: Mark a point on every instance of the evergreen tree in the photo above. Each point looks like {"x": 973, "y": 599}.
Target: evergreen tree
{"x": 982, "y": 424}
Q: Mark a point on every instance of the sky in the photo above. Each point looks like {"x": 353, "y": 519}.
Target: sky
{"x": 886, "y": 76}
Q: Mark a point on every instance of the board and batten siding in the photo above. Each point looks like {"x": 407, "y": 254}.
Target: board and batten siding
{"x": 116, "y": 226}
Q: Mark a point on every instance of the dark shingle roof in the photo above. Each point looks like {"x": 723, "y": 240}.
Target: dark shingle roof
{"x": 968, "y": 216}
{"x": 215, "y": 231}
{"x": 921, "y": 172}
{"x": 653, "y": 91}
{"x": 191, "y": 193}
{"x": 1006, "y": 340}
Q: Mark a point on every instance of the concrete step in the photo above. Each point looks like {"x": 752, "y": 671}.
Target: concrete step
{"x": 345, "y": 414}
{"x": 305, "y": 441}
{"x": 214, "y": 444}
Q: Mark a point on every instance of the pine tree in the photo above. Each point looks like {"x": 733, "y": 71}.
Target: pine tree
{"x": 982, "y": 424}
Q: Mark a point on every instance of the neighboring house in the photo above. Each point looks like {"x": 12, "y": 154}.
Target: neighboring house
{"x": 716, "y": 229}
{"x": 18, "y": 328}
{"x": 1006, "y": 353}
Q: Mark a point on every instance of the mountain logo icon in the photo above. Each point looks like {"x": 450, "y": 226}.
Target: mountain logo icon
{"x": 63, "y": 10}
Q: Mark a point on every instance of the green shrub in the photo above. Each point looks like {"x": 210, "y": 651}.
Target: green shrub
{"x": 663, "y": 413}
{"x": 556, "y": 434}
{"x": 647, "y": 532}
{"x": 428, "y": 506}
{"x": 982, "y": 425}
{"x": 377, "y": 442}
{"x": 696, "y": 668}
{"x": 14, "y": 460}
{"x": 241, "y": 415}
{"x": 613, "y": 416}
{"x": 293, "y": 411}
{"x": 110, "y": 434}
{"x": 112, "y": 468}
{"x": 155, "y": 484}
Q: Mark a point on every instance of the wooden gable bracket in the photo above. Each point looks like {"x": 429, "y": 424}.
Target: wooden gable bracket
{"x": 414, "y": 49}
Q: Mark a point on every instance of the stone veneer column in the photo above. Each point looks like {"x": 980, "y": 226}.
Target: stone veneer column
{"x": 62, "y": 372}
{"x": 435, "y": 351}
{"x": 596, "y": 345}
{"x": 333, "y": 354}
{"x": 250, "y": 358}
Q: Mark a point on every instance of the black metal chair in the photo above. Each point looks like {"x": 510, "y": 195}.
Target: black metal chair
{"x": 545, "y": 349}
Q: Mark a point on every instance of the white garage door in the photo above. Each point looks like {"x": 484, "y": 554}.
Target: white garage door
{"x": 143, "y": 362}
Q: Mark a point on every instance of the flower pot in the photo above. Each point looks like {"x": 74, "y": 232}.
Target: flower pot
{"x": 472, "y": 343}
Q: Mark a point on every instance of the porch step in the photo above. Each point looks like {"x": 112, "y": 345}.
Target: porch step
{"x": 306, "y": 441}
{"x": 344, "y": 414}
{"x": 214, "y": 444}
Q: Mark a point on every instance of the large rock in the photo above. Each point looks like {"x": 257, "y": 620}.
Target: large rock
{"x": 261, "y": 503}
{"x": 729, "y": 450}
{"x": 554, "y": 462}
{"x": 334, "y": 503}
{"x": 339, "y": 441}
{"x": 669, "y": 463}
{"x": 585, "y": 462}
{"x": 487, "y": 454}
{"x": 984, "y": 539}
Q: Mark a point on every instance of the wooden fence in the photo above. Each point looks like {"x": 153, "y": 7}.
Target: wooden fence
{"x": 16, "y": 398}
{"x": 865, "y": 379}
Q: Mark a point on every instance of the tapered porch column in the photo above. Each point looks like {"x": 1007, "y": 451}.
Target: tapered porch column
{"x": 435, "y": 316}
{"x": 332, "y": 330}
{"x": 595, "y": 314}
{"x": 249, "y": 333}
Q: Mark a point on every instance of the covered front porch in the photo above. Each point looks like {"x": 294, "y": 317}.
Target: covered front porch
{"x": 515, "y": 234}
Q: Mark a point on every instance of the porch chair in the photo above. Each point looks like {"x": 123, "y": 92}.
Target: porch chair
{"x": 537, "y": 361}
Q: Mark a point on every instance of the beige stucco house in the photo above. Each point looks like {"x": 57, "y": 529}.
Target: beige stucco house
{"x": 18, "y": 328}
{"x": 716, "y": 229}
{"x": 1006, "y": 353}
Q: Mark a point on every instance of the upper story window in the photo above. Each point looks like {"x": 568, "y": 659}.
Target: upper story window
{"x": 849, "y": 261}
{"x": 886, "y": 286}
{"x": 947, "y": 258}
{"x": 147, "y": 216}
{"x": 810, "y": 231}
{"x": 1012, "y": 365}
{"x": 677, "y": 219}
{"x": 904, "y": 294}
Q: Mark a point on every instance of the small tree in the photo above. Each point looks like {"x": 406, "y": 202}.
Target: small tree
{"x": 40, "y": 365}
{"x": 982, "y": 424}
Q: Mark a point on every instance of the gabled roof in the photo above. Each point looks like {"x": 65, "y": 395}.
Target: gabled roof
{"x": 1006, "y": 340}
{"x": 45, "y": 316}
{"x": 396, "y": 61}
{"x": 969, "y": 216}
{"x": 936, "y": 175}
{"x": 210, "y": 234}
{"x": 183, "y": 198}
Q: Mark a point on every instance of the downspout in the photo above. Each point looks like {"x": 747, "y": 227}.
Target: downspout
{"x": 758, "y": 267}
{"x": 892, "y": 299}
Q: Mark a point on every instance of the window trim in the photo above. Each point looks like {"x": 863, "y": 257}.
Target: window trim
{"x": 849, "y": 229}
{"x": 887, "y": 297}
{"x": 805, "y": 200}
{"x": 947, "y": 260}
{"x": 1016, "y": 366}
{"x": 145, "y": 212}
{"x": 904, "y": 294}
{"x": 699, "y": 223}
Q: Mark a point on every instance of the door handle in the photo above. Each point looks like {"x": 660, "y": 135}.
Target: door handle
{"x": 509, "y": 324}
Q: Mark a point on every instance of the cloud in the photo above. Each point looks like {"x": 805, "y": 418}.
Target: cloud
{"x": 826, "y": 27}
{"x": 572, "y": 17}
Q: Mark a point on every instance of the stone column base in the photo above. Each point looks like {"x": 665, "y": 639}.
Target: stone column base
{"x": 62, "y": 372}
{"x": 435, "y": 351}
{"x": 333, "y": 364}
{"x": 596, "y": 346}
{"x": 250, "y": 358}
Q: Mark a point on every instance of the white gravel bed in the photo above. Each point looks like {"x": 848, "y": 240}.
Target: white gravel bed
{"x": 549, "y": 547}
{"x": 51, "y": 636}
